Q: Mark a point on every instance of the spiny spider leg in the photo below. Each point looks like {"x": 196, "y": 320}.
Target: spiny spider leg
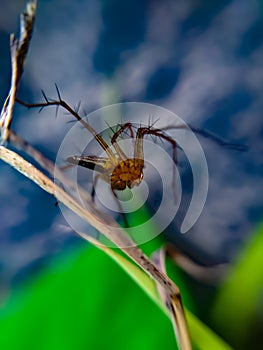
{"x": 220, "y": 141}
{"x": 63, "y": 104}
{"x": 117, "y": 134}
{"x": 210, "y": 135}
{"x": 138, "y": 148}
{"x": 91, "y": 162}
{"x": 121, "y": 130}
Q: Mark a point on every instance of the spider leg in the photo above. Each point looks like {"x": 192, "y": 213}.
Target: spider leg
{"x": 99, "y": 164}
{"x": 138, "y": 149}
{"x": 66, "y": 167}
{"x": 220, "y": 141}
{"x": 125, "y": 220}
{"x": 121, "y": 130}
{"x": 116, "y": 135}
{"x": 93, "y": 192}
{"x": 67, "y": 107}
{"x": 213, "y": 137}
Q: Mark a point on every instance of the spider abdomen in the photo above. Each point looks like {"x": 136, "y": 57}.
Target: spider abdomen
{"x": 127, "y": 173}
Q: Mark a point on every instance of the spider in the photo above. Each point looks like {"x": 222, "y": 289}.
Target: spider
{"x": 117, "y": 169}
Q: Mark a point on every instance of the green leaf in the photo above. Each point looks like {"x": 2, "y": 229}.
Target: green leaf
{"x": 239, "y": 298}
{"x": 87, "y": 302}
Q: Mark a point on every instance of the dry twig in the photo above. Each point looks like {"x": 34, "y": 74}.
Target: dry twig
{"x": 18, "y": 48}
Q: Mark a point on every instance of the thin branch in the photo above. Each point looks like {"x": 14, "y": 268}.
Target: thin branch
{"x": 18, "y": 49}
{"x": 25, "y": 146}
{"x": 46, "y": 164}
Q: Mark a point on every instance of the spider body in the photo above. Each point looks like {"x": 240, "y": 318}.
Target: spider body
{"x": 119, "y": 170}
{"x": 127, "y": 173}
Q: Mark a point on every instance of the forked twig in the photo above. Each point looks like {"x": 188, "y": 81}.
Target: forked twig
{"x": 18, "y": 49}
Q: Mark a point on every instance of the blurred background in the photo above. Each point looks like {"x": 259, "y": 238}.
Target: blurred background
{"x": 201, "y": 60}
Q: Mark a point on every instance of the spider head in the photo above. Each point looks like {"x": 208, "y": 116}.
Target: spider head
{"x": 128, "y": 173}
